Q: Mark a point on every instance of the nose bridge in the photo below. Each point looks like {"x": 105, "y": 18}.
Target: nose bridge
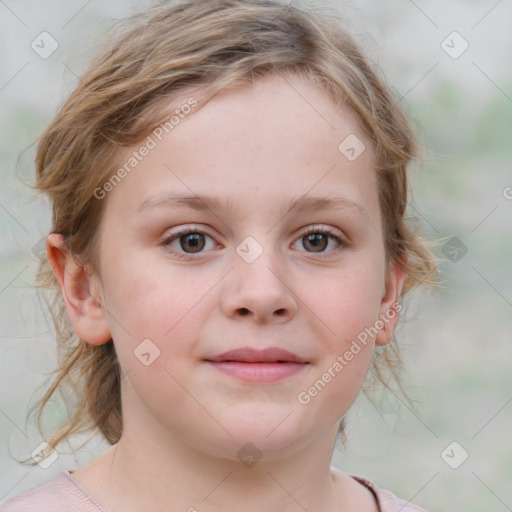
{"x": 258, "y": 282}
{"x": 261, "y": 260}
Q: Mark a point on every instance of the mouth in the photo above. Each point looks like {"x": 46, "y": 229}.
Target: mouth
{"x": 269, "y": 365}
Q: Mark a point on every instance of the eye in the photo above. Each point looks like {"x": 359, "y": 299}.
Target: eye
{"x": 189, "y": 241}
{"x": 316, "y": 240}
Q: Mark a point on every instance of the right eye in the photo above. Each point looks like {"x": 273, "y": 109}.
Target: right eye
{"x": 187, "y": 241}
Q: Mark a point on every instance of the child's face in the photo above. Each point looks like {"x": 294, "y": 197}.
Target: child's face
{"x": 257, "y": 149}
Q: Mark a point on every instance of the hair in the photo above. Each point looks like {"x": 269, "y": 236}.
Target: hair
{"x": 154, "y": 57}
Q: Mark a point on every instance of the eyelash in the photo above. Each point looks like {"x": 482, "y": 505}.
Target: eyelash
{"x": 312, "y": 230}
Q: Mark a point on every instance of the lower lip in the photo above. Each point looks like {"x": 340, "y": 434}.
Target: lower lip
{"x": 258, "y": 372}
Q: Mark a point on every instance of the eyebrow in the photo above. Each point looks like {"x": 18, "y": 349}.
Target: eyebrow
{"x": 305, "y": 203}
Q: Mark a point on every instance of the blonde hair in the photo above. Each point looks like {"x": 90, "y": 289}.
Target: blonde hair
{"x": 161, "y": 53}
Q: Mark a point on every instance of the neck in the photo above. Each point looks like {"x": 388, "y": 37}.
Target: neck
{"x": 182, "y": 478}
{"x": 163, "y": 471}
{"x": 134, "y": 476}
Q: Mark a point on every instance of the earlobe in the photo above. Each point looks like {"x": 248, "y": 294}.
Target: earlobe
{"x": 390, "y": 307}
{"x": 81, "y": 294}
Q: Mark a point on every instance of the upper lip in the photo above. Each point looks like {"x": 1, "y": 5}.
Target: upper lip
{"x": 250, "y": 355}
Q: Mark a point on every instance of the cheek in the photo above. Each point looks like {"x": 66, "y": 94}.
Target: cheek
{"x": 149, "y": 307}
{"x": 333, "y": 391}
{"x": 344, "y": 304}
{"x": 345, "y": 307}
{"x": 154, "y": 298}
{"x": 154, "y": 324}
{"x": 168, "y": 310}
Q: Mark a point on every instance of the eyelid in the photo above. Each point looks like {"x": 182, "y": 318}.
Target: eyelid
{"x": 314, "y": 228}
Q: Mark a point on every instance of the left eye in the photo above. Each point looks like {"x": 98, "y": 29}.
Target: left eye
{"x": 318, "y": 240}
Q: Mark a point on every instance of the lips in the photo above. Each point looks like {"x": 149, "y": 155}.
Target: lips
{"x": 250, "y": 355}
{"x": 258, "y": 366}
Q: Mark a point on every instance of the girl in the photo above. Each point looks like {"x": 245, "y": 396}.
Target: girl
{"x": 229, "y": 253}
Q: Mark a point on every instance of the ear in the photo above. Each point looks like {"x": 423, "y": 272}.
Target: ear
{"x": 389, "y": 310}
{"x": 80, "y": 291}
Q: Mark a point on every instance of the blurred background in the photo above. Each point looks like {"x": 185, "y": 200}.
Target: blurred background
{"x": 449, "y": 63}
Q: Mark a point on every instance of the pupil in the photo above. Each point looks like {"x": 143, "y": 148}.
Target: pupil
{"x": 315, "y": 241}
{"x": 195, "y": 241}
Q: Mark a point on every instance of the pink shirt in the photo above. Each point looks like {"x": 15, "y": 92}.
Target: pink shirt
{"x": 63, "y": 494}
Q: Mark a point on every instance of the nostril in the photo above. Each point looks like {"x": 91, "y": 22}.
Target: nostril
{"x": 279, "y": 312}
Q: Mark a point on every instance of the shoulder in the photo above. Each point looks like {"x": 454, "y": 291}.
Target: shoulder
{"x": 61, "y": 494}
{"x": 387, "y": 501}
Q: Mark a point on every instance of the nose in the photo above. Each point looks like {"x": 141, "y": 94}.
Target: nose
{"x": 259, "y": 290}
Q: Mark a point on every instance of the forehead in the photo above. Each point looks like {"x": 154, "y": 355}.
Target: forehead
{"x": 275, "y": 139}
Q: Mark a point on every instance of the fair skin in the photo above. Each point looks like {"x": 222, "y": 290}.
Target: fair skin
{"x": 183, "y": 420}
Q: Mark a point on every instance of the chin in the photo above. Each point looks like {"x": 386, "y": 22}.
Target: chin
{"x": 267, "y": 439}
